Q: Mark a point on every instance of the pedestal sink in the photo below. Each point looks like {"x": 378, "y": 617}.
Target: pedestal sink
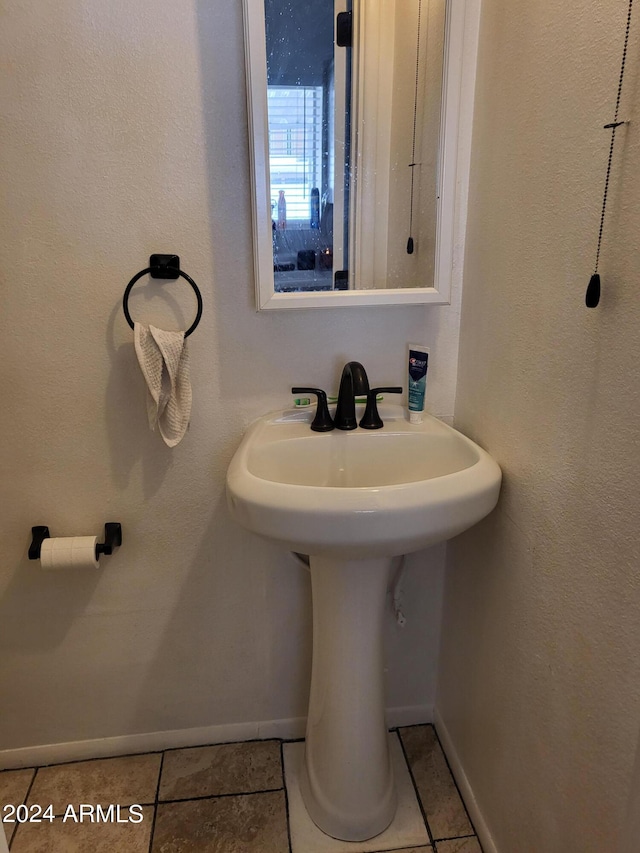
{"x": 352, "y": 501}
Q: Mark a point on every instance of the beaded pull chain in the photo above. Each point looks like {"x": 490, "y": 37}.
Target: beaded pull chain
{"x": 413, "y": 164}
{"x": 592, "y": 297}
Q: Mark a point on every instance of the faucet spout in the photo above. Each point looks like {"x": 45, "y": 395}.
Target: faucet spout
{"x": 354, "y": 383}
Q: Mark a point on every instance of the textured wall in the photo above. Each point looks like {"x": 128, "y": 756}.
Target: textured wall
{"x": 540, "y": 666}
{"x": 124, "y": 133}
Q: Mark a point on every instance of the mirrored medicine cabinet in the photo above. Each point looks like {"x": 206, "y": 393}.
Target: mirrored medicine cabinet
{"x": 355, "y": 120}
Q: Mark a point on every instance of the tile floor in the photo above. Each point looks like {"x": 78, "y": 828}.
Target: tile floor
{"x": 228, "y": 798}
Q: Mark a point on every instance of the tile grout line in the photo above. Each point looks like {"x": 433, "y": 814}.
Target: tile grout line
{"x": 215, "y": 743}
{"x": 219, "y": 796}
{"x": 96, "y": 758}
{"x": 415, "y": 788}
{"x": 286, "y": 796}
{"x": 155, "y": 804}
{"x": 457, "y": 837}
{"x": 464, "y": 805}
{"x": 24, "y": 800}
{"x": 146, "y": 752}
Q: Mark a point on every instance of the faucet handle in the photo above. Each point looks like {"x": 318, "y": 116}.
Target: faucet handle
{"x": 323, "y": 421}
{"x": 371, "y": 419}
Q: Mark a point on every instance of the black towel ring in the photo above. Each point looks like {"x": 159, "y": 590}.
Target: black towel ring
{"x": 163, "y": 266}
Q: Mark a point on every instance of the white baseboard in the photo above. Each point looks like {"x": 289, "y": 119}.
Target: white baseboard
{"x": 410, "y": 715}
{"x": 81, "y": 750}
{"x": 477, "y": 818}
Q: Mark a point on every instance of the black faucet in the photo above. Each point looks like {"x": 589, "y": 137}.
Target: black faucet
{"x": 354, "y": 383}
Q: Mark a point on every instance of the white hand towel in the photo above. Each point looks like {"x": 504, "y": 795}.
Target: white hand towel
{"x": 164, "y": 361}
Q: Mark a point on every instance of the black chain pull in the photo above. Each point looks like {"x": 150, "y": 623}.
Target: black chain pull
{"x": 592, "y": 297}
{"x": 413, "y": 164}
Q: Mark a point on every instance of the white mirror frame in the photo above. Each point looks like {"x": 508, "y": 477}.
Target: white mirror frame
{"x": 461, "y": 38}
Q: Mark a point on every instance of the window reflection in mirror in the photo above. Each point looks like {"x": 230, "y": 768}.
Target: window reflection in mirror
{"x": 308, "y": 108}
{"x": 370, "y": 165}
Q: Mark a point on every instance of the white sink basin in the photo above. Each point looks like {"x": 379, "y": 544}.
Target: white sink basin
{"x": 360, "y": 493}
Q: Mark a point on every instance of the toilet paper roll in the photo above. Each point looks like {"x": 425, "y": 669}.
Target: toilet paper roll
{"x": 69, "y": 552}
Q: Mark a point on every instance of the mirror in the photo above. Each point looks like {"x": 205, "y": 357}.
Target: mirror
{"x": 355, "y": 150}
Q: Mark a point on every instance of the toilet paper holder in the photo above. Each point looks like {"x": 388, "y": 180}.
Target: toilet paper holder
{"x": 112, "y": 539}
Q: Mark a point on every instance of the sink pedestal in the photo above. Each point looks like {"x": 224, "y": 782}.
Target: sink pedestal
{"x": 347, "y": 779}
